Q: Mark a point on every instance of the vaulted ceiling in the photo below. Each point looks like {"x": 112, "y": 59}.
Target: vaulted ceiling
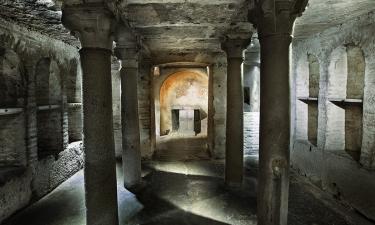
{"x": 183, "y": 27}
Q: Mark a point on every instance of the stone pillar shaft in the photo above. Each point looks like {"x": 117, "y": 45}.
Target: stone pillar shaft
{"x": 127, "y": 51}
{"x": 100, "y": 173}
{"x": 131, "y": 156}
{"x": 273, "y": 186}
{"x": 93, "y": 24}
{"x": 234, "y": 127}
{"x": 275, "y": 25}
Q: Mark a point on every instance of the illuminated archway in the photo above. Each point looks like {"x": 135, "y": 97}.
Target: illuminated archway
{"x": 184, "y": 91}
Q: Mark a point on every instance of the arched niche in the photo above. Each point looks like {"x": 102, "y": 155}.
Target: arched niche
{"x": 12, "y": 83}
{"x": 184, "y": 103}
{"x": 302, "y": 93}
{"x": 74, "y": 97}
{"x": 354, "y": 106}
{"x": 49, "y": 114}
{"x": 48, "y": 83}
{"x": 345, "y": 94}
{"x": 313, "y": 106}
{"x": 307, "y": 90}
{"x": 12, "y": 117}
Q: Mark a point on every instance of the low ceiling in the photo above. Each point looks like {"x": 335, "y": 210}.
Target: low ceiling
{"x": 172, "y": 28}
{"x": 187, "y": 26}
{"x": 323, "y": 14}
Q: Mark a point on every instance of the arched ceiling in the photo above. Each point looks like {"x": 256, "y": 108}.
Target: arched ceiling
{"x": 186, "y": 29}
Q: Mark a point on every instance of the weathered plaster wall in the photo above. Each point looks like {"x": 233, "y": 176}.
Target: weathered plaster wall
{"x": 327, "y": 163}
{"x": 24, "y": 175}
{"x": 183, "y": 90}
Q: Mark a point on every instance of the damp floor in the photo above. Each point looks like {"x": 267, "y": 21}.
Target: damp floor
{"x": 181, "y": 193}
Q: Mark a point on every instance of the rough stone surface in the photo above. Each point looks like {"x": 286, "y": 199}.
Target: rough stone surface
{"x": 45, "y": 93}
{"x": 190, "y": 193}
{"x": 328, "y": 165}
{"x": 17, "y": 192}
{"x": 51, "y": 172}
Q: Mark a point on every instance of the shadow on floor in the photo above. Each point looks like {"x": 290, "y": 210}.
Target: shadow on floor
{"x": 179, "y": 193}
{"x": 176, "y": 147}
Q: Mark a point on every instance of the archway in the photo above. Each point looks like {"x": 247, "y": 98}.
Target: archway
{"x": 183, "y": 120}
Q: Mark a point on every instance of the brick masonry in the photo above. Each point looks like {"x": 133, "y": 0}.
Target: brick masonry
{"x": 24, "y": 175}
{"x": 327, "y": 164}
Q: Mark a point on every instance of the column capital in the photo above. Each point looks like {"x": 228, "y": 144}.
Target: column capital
{"x": 127, "y": 47}
{"x": 92, "y": 23}
{"x": 276, "y": 17}
{"x": 235, "y": 47}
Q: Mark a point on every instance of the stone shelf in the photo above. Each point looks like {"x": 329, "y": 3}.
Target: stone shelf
{"x": 346, "y": 102}
{"x": 48, "y": 107}
{"x": 308, "y": 100}
{"x": 10, "y": 111}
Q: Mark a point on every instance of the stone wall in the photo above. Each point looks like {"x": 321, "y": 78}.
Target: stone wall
{"x": 251, "y": 133}
{"x": 218, "y": 75}
{"x": 251, "y": 81}
{"x": 329, "y": 163}
{"x": 33, "y": 78}
{"x": 144, "y": 106}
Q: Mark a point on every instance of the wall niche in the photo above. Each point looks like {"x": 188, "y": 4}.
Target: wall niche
{"x": 12, "y": 116}
{"x": 347, "y": 74}
{"x": 74, "y": 97}
{"x": 49, "y": 113}
{"x": 309, "y": 73}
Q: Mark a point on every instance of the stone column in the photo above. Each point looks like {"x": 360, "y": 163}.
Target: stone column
{"x": 93, "y": 25}
{"x": 275, "y": 24}
{"x": 127, "y": 51}
{"x": 234, "y": 126}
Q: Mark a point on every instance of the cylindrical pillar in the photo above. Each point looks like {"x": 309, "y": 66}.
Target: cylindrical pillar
{"x": 131, "y": 158}
{"x": 100, "y": 171}
{"x": 234, "y": 124}
{"x": 93, "y": 23}
{"x": 127, "y": 51}
{"x": 234, "y": 129}
{"x": 273, "y": 177}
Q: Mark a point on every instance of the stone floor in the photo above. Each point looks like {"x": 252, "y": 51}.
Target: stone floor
{"x": 180, "y": 193}
{"x": 179, "y": 147}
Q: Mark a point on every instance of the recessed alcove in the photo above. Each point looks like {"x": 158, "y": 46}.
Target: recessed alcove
{"x": 308, "y": 95}
{"x": 74, "y": 98}
{"x": 346, "y": 89}
{"x": 185, "y": 92}
{"x": 12, "y": 115}
{"x": 181, "y": 112}
{"x": 49, "y": 114}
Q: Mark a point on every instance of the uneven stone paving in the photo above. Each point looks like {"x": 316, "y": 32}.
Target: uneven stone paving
{"x": 179, "y": 193}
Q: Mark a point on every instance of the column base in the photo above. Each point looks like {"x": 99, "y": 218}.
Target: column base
{"x": 137, "y": 188}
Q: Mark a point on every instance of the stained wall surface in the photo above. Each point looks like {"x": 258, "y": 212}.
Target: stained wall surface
{"x": 35, "y": 153}
{"x": 346, "y": 112}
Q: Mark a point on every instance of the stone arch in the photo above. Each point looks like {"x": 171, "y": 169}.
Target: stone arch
{"x": 307, "y": 90}
{"x": 48, "y": 83}
{"x": 302, "y": 92}
{"x": 345, "y": 100}
{"x": 49, "y": 108}
{"x": 182, "y": 90}
{"x": 12, "y": 116}
{"x": 12, "y": 83}
{"x": 74, "y": 98}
